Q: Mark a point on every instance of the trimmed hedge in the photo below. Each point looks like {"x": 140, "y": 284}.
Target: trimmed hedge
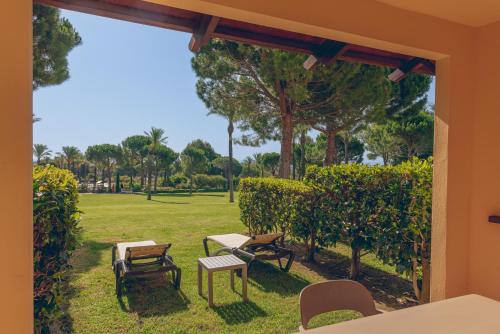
{"x": 204, "y": 181}
{"x": 384, "y": 210}
{"x": 55, "y": 230}
{"x": 278, "y": 205}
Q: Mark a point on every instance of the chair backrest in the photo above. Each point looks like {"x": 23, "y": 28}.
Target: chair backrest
{"x": 146, "y": 252}
{"x": 335, "y": 295}
{"x": 263, "y": 239}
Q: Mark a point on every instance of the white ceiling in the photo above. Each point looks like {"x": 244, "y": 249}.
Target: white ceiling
{"x": 474, "y": 13}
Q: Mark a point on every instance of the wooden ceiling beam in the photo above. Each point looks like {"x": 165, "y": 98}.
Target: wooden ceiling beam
{"x": 203, "y": 33}
{"x": 327, "y": 53}
{"x": 409, "y": 66}
{"x": 261, "y": 39}
{"x": 143, "y": 12}
{"x": 124, "y": 13}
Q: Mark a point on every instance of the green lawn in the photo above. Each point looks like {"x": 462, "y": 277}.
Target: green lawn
{"x": 153, "y": 306}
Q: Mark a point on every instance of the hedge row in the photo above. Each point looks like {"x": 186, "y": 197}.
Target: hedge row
{"x": 278, "y": 205}
{"x": 55, "y": 230}
{"x": 384, "y": 210}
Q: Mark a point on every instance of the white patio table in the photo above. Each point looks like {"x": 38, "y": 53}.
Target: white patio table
{"x": 471, "y": 314}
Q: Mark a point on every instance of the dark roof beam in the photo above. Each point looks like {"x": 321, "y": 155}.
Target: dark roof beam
{"x": 327, "y": 53}
{"x": 407, "y": 67}
{"x": 203, "y": 33}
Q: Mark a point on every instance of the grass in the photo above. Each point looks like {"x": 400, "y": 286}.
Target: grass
{"x": 153, "y": 306}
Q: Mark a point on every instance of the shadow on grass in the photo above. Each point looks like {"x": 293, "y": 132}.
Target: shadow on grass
{"x": 168, "y": 202}
{"x": 221, "y": 194}
{"x": 152, "y": 296}
{"x": 269, "y": 278}
{"x": 389, "y": 289}
{"x": 239, "y": 312}
{"x": 89, "y": 255}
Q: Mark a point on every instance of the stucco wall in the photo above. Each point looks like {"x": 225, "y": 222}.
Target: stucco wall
{"x": 16, "y": 212}
{"x": 484, "y": 262}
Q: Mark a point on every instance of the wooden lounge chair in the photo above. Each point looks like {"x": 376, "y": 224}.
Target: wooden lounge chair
{"x": 142, "y": 258}
{"x": 336, "y": 295}
{"x": 249, "y": 248}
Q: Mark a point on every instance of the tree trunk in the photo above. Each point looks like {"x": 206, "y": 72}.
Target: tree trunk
{"x": 302, "y": 167}
{"x": 150, "y": 172}
{"x": 286, "y": 132}
{"x": 156, "y": 177}
{"x": 294, "y": 162}
{"x": 142, "y": 173}
{"x": 346, "y": 148}
{"x": 355, "y": 263}
{"x": 422, "y": 287}
{"x": 331, "y": 149}
{"x": 117, "y": 183}
{"x": 165, "y": 179}
{"x": 95, "y": 179}
{"x": 191, "y": 184}
{"x": 109, "y": 180}
{"x": 230, "y": 130}
{"x": 312, "y": 248}
{"x": 131, "y": 181}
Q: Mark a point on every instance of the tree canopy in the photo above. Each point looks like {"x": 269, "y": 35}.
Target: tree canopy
{"x": 53, "y": 38}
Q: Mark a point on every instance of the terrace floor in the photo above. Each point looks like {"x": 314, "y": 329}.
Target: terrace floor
{"x": 153, "y": 306}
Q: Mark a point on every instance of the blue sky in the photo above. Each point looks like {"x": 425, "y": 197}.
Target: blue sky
{"x": 126, "y": 78}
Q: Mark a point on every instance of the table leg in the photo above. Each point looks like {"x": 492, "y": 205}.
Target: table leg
{"x": 210, "y": 289}
{"x": 231, "y": 278}
{"x": 200, "y": 279}
{"x": 244, "y": 282}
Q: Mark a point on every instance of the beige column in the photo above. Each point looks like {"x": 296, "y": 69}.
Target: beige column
{"x": 16, "y": 306}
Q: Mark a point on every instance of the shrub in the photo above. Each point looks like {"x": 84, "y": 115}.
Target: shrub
{"x": 136, "y": 188}
{"x": 204, "y": 181}
{"x": 55, "y": 220}
{"x": 176, "y": 179}
{"x": 277, "y": 205}
{"x": 348, "y": 204}
{"x": 404, "y": 223}
{"x": 386, "y": 210}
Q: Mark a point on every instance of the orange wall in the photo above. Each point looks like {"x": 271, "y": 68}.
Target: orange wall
{"x": 484, "y": 264}
{"x": 467, "y": 163}
{"x": 16, "y": 311}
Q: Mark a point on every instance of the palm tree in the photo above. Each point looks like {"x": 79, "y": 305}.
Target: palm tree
{"x": 156, "y": 137}
{"x": 259, "y": 162}
{"x": 41, "y": 152}
{"x": 71, "y": 154}
{"x": 95, "y": 156}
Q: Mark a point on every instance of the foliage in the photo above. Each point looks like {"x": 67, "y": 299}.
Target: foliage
{"x": 270, "y": 161}
{"x": 348, "y": 203}
{"x": 55, "y": 230}
{"x": 53, "y": 38}
{"x": 381, "y": 143}
{"x": 415, "y": 134}
{"x": 222, "y": 163}
{"x": 386, "y": 210}
{"x": 41, "y": 152}
{"x": 193, "y": 161}
{"x": 404, "y": 223}
{"x": 205, "y": 147}
{"x": 381, "y": 209}
{"x": 274, "y": 92}
{"x": 355, "y": 150}
{"x": 279, "y": 205}
{"x": 204, "y": 181}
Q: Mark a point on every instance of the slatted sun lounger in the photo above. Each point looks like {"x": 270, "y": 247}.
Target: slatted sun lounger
{"x": 142, "y": 258}
{"x": 249, "y": 248}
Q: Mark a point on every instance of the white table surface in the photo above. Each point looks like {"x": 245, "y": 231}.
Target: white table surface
{"x": 471, "y": 314}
